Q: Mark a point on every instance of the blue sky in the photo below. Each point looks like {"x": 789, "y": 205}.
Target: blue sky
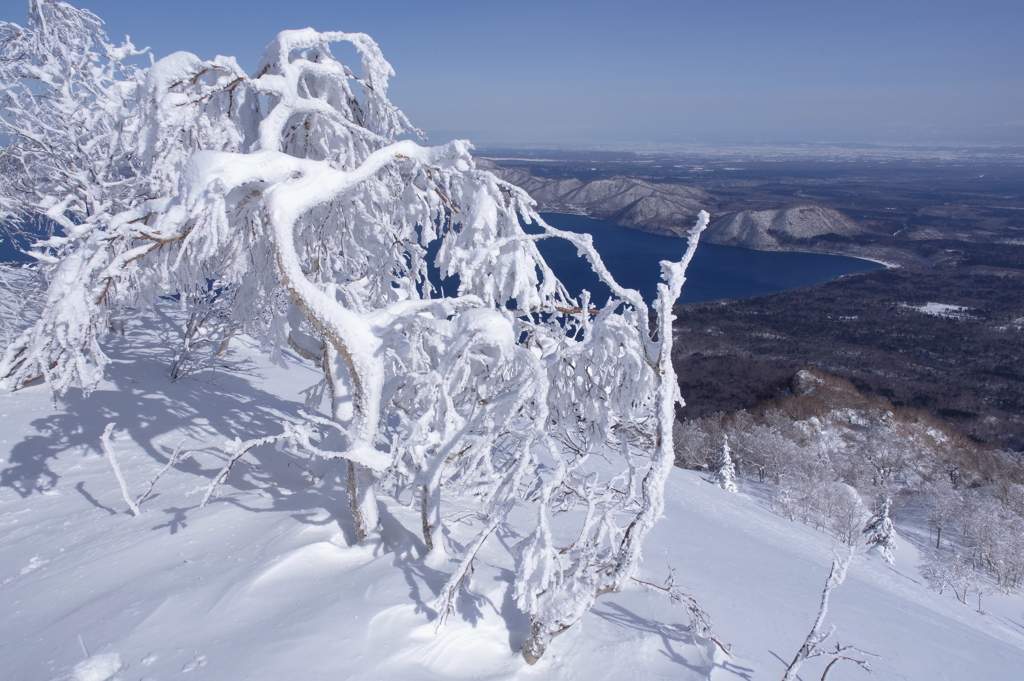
{"x": 649, "y": 70}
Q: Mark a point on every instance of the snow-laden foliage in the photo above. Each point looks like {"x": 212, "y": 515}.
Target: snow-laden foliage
{"x": 67, "y": 110}
{"x": 292, "y": 194}
{"x": 22, "y": 292}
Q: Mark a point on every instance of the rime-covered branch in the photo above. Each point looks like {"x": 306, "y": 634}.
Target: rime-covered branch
{"x": 235, "y": 451}
{"x": 108, "y": 449}
{"x": 813, "y": 645}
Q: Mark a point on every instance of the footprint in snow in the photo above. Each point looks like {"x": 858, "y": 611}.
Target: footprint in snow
{"x": 199, "y": 661}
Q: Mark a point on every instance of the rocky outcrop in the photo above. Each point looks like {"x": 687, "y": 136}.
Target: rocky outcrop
{"x": 771, "y": 230}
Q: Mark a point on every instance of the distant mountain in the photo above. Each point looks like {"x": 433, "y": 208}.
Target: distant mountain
{"x": 772, "y": 230}
{"x": 670, "y": 210}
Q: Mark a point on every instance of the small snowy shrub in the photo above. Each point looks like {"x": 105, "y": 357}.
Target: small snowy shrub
{"x": 879, "y": 532}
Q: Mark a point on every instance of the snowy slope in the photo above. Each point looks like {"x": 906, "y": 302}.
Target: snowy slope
{"x": 760, "y": 576}
{"x": 264, "y": 583}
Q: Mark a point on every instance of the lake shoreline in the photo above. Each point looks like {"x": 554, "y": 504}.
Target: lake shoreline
{"x": 718, "y": 272}
{"x": 891, "y": 263}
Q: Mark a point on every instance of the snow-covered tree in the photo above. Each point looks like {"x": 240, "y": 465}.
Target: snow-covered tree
{"x": 948, "y": 569}
{"x": 879, "y": 532}
{"x": 943, "y": 505}
{"x": 843, "y": 511}
{"x": 725, "y": 471}
{"x": 992, "y": 537}
{"x": 301, "y": 192}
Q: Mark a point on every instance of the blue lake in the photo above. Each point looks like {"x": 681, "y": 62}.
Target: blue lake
{"x": 716, "y": 271}
{"x": 632, "y": 257}
{"x": 10, "y": 251}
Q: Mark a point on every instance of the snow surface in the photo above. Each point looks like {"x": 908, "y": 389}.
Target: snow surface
{"x": 265, "y": 583}
{"x": 943, "y": 310}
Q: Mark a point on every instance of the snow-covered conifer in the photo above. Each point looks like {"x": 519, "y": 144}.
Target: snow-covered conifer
{"x": 879, "y": 532}
{"x": 725, "y": 469}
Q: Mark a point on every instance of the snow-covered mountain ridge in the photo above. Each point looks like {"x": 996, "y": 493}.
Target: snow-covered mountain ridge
{"x": 774, "y": 229}
{"x": 669, "y": 209}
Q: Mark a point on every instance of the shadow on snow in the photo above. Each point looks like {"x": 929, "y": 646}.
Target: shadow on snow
{"x": 146, "y": 404}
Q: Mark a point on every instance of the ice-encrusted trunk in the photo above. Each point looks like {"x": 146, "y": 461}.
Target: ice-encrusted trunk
{"x": 359, "y": 480}
{"x": 362, "y": 500}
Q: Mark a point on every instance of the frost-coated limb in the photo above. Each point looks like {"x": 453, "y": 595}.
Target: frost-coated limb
{"x": 445, "y": 601}
{"x": 700, "y": 621}
{"x": 108, "y": 449}
{"x": 668, "y": 396}
{"x": 235, "y": 451}
{"x": 813, "y": 644}
{"x": 842, "y": 653}
{"x": 175, "y": 458}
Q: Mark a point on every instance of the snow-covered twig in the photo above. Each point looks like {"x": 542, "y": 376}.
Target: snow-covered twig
{"x": 176, "y": 457}
{"x": 813, "y": 644}
{"x": 236, "y": 450}
{"x": 700, "y": 620}
{"x": 109, "y": 451}
{"x": 845, "y": 653}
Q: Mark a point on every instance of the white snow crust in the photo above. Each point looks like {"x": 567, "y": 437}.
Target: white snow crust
{"x": 266, "y": 583}
{"x": 98, "y": 667}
